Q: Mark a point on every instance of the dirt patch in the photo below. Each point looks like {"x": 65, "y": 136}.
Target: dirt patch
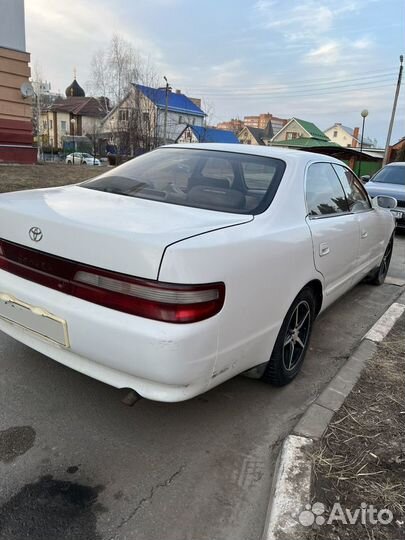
{"x": 18, "y": 177}
{"x": 15, "y": 441}
{"x": 360, "y": 461}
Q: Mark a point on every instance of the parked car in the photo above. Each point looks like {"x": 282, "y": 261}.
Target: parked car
{"x": 390, "y": 180}
{"x": 188, "y": 265}
{"x": 82, "y": 158}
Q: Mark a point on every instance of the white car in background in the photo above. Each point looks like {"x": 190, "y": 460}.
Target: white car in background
{"x": 188, "y": 265}
{"x": 82, "y": 158}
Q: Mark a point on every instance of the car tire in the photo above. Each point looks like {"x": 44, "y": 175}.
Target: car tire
{"x": 69, "y": 162}
{"x": 378, "y": 275}
{"x": 292, "y": 340}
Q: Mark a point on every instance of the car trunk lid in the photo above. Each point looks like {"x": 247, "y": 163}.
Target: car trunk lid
{"x": 115, "y": 232}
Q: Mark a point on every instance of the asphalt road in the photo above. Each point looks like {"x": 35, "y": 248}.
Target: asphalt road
{"x": 75, "y": 463}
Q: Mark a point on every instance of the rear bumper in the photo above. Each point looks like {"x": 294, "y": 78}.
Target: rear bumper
{"x": 160, "y": 361}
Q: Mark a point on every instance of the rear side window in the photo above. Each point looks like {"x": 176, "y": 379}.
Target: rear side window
{"x": 355, "y": 194}
{"x": 324, "y": 192}
{"x": 257, "y": 175}
{"x": 210, "y": 179}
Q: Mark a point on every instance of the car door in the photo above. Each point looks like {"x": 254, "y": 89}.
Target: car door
{"x": 371, "y": 229}
{"x": 334, "y": 229}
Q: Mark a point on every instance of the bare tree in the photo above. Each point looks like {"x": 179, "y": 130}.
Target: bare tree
{"x": 38, "y": 105}
{"x": 115, "y": 72}
{"x": 209, "y": 108}
{"x": 114, "y": 69}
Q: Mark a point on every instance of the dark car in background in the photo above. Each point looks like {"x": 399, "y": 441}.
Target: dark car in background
{"x": 390, "y": 180}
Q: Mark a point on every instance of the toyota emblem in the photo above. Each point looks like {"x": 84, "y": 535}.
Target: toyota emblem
{"x": 35, "y": 234}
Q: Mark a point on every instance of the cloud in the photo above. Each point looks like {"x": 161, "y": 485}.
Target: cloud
{"x": 362, "y": 43}
{"x": 326, "y": 54}
{"x": 225, "y": 73}
{"x": 308, "y": 20}
{"x": 339, "y": 52}
{"x": 65, "y": 35}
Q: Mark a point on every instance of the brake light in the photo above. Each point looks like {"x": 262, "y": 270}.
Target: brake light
{"x": 151, "y": 299}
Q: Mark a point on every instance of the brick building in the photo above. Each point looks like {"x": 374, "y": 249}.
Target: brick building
{"x": 234, "y": 125}
{"x": 16, "y": 139}
{"x": 261, "y": 121}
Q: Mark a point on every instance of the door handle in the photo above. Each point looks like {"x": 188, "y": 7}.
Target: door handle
{"x": 364, "y": 234}
{"x": 323, "y": 249}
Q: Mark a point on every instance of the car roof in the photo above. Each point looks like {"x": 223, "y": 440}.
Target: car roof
{"x": 396, "y": 164}
{"x": 285, "y": 154}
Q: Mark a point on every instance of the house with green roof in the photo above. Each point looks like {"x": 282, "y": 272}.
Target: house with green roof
{"x": 301, "y": 134}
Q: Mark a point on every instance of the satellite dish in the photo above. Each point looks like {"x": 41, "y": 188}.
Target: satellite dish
{"x": 27, "y": 90}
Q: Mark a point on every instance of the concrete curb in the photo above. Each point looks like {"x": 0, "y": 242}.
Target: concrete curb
{"x": 291, "y": 489}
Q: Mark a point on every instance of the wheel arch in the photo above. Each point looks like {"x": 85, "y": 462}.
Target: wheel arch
{"x": 316, "y": 286}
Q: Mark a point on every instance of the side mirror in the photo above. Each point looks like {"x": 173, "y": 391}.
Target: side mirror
{"x": 365, "y": 178}
{"x": 383, "y": 201}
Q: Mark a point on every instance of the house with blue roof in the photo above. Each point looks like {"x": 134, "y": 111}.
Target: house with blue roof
{"x": 138, "y": 121}
{"x": 200, "y": 134}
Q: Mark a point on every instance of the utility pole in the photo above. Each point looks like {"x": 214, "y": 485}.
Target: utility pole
{"x": 394, "y": 109}
{"x": 167, "y": 90}
{"x": 39, "y": 134}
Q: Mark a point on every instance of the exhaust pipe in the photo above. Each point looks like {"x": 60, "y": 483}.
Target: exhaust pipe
{"x": 131, "y": 398}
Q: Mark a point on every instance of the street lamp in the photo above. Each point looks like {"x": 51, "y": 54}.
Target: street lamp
{"x": 364, "y": 114}
{"x": 73, "y": 124}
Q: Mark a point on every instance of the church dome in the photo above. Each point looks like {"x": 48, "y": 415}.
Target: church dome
{"x": 74, "y": 90}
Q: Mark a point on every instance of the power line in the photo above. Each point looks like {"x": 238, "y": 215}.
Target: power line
{"x": 333, "y": 83}
{"x": 320, "y": 81}
{"x": 334, "y": 90}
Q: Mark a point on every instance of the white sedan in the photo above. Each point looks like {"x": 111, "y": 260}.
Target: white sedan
{"x": 188, "y": 265}
{"x": 82, "y": 158}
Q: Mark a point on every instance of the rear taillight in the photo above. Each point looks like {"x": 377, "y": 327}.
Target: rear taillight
{"x": 146, "y": 298}
{"x": 150, "y": 299}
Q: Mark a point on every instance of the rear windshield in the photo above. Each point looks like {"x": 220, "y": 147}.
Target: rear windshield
{"x": 391, "y": 175}
{"x": 210, "y": 179}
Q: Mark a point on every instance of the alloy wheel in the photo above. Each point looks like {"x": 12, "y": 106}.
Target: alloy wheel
{"x": 296, "y": 337}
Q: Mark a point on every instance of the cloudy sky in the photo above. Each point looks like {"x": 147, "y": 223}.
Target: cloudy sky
{"x": 319, "y": 60}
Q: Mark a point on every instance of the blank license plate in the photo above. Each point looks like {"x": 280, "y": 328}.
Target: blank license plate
{"x": 34, "y": 319}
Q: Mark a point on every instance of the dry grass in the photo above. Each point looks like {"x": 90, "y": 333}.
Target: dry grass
{"x": 18, "y": 177}
{"x": 361, "y": 457}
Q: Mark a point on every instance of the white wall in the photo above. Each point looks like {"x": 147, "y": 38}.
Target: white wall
{"x": 187, "y": 137}
{"x": 12, "y": 24}
{"x": 176, "y": 122}
{"x": 90, "y": 125}
{"x": 292, "y": 127}
{"x": 342, "y": 137}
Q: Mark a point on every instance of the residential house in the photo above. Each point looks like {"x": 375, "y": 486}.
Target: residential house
{"x": 348, "y": 137}
{"x": 300, "y": 133}
{"x": 258, "y": 136}
{"x": 140, "y": 121}
{"x": 73, "y": 116}
{"x": 201, "y": 134}
{"x": 16, "y": 138}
